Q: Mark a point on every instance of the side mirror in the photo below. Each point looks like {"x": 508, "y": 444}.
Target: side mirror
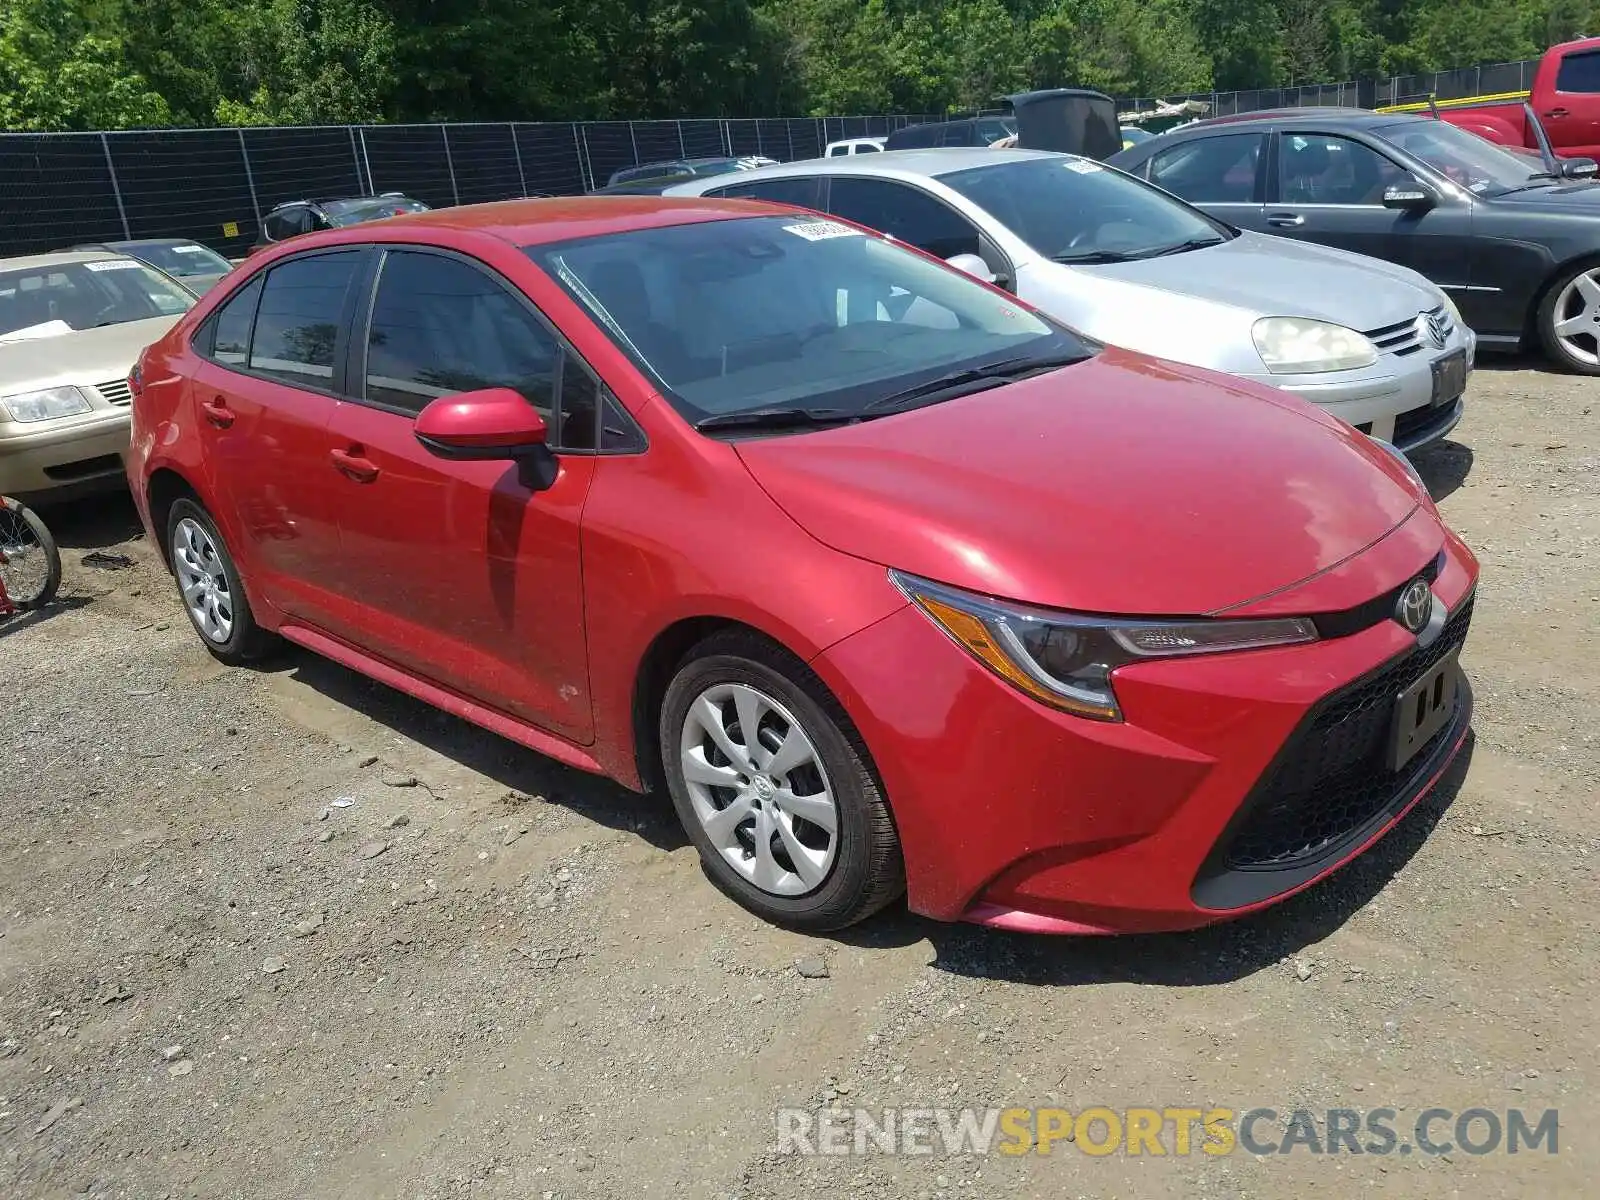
{"x": 492, "y": 424}
{"x": 1579, "y": 168}
{"x": 972, "y": 265}
{"x": 1412, "y": 196}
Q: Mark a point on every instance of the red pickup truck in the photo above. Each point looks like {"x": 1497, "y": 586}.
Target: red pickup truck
{"x": 1565, "y": 98}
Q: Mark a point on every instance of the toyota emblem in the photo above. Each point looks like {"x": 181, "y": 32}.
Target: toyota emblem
{"x": 1415, "y": 605}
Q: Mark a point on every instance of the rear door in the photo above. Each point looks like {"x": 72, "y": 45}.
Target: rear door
{"x": 1225, "y": 175}
{"x": 1571, "y": 112}
{"x": 460, "y": 573}
{"x": 264, "y": 394}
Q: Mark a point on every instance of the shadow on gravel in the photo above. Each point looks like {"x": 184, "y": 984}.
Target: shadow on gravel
{"x": 1218, "y": 954}
{"x": 27, "y": 620}
{"x": 92, "y": 522}
{"x": 1444, "y": 466}
{"x": 508, "y": 764}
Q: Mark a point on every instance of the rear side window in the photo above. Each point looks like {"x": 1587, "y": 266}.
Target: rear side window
{"x": 906, "y": 213}
{"x": 226, "y": 338}
{"x": 866, "y": 148}
{"x": 298, "y": 319}
{"x": 1579, "y": 72}
{"x": 1217, "y": 170}
{"x": 803, "y": 192}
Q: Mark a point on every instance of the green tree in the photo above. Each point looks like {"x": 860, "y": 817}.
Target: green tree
{"x": 62, "y": 68}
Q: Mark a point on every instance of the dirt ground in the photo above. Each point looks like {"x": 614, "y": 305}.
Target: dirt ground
{"x": 218, "y": 978}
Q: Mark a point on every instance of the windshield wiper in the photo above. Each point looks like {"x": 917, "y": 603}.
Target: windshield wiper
{"x": 1197, "y": 243}
{"x": 775, "y": 418}
{"x": 1094, "y": 256}
{"x": 975, "y": 379}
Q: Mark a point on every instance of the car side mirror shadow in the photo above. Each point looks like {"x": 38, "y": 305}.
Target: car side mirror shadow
{"x": 494, "y": 424}
{"x": 1412, "y": 196}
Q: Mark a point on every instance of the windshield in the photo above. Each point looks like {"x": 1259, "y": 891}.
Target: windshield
{"x": 183, "y": 259}
{"x": 1465, "y": 158}
{"x": 764, "y": 312}
{"x": 42, "y": 301}
{"x": 1075, "y": 210}
{"x": 992, "y": 129}
{"x": 354, "y": 212}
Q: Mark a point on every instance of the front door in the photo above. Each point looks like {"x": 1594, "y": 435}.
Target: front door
{"x": 460, "y": 573}
{"x": 264, "y": 395}
{"x": 1571, "y": 113}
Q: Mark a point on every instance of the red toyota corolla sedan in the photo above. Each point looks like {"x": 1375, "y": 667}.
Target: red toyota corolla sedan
{"x": 893, "y": 583}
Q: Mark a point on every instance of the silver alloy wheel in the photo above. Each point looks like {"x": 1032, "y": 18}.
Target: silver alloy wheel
{"x": 759, "y": 789}
{"x": 203, "y": 581}
{"x": 1577, "y": 315}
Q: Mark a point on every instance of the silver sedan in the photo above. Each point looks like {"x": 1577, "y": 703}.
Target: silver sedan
{"x": 1374, "y": 343}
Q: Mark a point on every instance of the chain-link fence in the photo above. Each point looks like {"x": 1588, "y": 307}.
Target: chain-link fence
{"x": 214, "y": 185}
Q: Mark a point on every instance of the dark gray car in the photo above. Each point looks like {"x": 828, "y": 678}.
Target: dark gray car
{"x": 197, "y": 267}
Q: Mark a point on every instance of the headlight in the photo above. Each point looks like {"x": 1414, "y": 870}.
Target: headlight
{"x": 28, "y": 407}
{"x": 1299, "y": 346}
{"x": 1065, "y": 660}
{"x": 1450, "y": 307}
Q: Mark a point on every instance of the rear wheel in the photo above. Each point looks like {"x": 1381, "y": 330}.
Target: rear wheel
{"x": 773, "y": 788}
{"x": 30, "y": 563}
{"x": 1568, "y": 320}
{"x": 209, "y": 583}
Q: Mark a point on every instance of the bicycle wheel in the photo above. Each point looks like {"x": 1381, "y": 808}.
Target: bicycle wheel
{"x": 30, "y": 564}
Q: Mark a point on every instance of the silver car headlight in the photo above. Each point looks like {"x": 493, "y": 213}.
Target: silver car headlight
{"x": 1065, "y": 660}
{"x": 1450, "y": 307}
{"x": 27, "y": 407}
{"x": 1301, "y": 346}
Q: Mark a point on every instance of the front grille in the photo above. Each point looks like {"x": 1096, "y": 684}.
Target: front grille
{"x": 1402, "y": 338}
{"x": 1419, "y": 423}
{"x": 1331, "y": 782}
{"x": 116, "y": 392}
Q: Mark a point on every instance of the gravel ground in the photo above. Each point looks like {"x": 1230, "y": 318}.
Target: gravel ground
{"x": 286, "y": 933}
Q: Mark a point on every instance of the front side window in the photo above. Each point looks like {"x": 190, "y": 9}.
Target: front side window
{"x": 904, "y": 212}
{"x": 440, "y": 326}
{"x": 298, "y": 319}
{"x": 790, "y": 312}
{"x": 802, "y": 192}
{"x": 1074, "y": 210}
{"x": 1579, "y": 72}
{"x": 46, "y": 301}
{"x": 1319, "y": 168}
{"x": 1214, "y": 170}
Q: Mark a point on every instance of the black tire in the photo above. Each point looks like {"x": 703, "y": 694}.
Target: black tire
{"x": 245, "y": 641}
{"x": 1546, "y": 317}
{"x": 867, "y": 871}
{"x": 19, "y": 521}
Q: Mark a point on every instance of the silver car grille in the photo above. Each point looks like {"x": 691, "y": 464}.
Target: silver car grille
{"x": 115, "y": 392}
{"x": 1429, "y": 330}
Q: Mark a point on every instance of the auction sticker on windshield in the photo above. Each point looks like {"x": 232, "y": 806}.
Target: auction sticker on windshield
{"x": 113, "y": 264}
{"x": 819, "y": 231}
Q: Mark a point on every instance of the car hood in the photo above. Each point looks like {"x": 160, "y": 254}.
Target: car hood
{"x": 81, "y": 356}
{"x": 1121, "y": 485}
{"x": 1279, "y": 277}
{"x": 1577, "y": 198}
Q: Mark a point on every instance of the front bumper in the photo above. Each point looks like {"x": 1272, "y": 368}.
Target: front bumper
{"x": 60, "y": 458}
{"x": 1391, "y": 400}
{"x": 1016, "y": 815}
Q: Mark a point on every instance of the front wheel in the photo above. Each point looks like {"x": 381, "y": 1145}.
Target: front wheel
{"x": 1568, "y": 320}
{"x": 30, "y": 563}
{"x": 772, "y": 786}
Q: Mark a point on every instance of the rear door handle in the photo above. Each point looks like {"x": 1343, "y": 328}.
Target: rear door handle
{"x": 1286, "y": 220}
{"x": 353, "y": 463}
{"x": 217, "y": 412}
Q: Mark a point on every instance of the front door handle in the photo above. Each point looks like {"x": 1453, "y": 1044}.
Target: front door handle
{"x": 1556, "y": 112}
{"x": 353, "y": 463}
{"x": 1286, "y": 220}
{"x": 218, "y": 413}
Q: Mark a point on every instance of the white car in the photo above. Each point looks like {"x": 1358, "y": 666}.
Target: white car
{"x": 1374, "y": 343}
{"x": 71, "y": 328}
{"x": 848, "y": 146}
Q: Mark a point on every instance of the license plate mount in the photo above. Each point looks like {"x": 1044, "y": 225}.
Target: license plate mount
{"x": 1423, "y": 709}
{"x": 1449, "y": 377}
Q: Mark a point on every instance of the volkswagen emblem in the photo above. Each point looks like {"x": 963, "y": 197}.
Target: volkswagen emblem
{"x": 1415, "y": 605}
{"x": 1431, "y": 329}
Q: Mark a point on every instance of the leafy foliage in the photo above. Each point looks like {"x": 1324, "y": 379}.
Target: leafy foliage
{"x": 87, "y": 64}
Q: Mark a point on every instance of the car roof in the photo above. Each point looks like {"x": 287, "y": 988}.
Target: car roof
{"x": 1292, "y": 116}
{"x": 56, "y": 258}
{"x": 892, "y": 164}
{"x": 563, "y": 218}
